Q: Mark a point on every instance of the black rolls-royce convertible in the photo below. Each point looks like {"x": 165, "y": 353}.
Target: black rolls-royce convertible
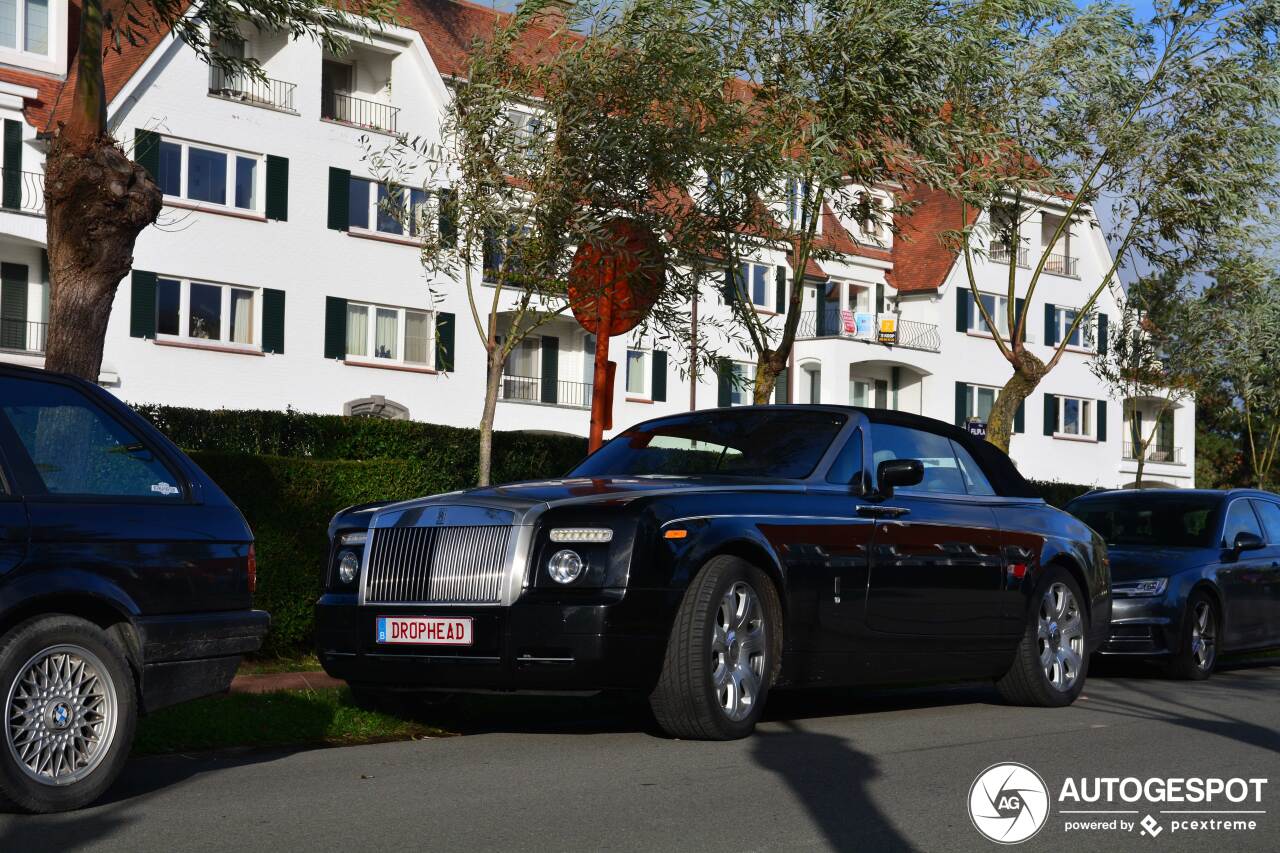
{"x": 705, "y": 558}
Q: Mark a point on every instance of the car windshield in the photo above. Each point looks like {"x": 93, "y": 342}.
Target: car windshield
{"x": 1156, "y": 521}
{"x": 767, "y": 443}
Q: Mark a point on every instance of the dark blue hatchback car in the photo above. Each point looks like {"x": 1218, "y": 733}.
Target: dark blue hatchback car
{"x": 1193, "y": 572}
{"x": 126, "y": 578}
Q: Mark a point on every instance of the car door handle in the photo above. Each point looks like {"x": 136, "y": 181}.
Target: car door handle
{"x": 883, "y": 511}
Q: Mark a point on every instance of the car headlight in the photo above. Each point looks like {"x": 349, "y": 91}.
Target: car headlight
{"x": 565, "y": 566}
{"x": 1140, "y": 589}
{"x": 348, "y": 566}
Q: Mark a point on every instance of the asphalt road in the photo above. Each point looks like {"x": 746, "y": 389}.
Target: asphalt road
{"x": 872, "y": 771}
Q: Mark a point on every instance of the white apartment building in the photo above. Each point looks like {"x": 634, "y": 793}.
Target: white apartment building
{"x": 272, "y": 280}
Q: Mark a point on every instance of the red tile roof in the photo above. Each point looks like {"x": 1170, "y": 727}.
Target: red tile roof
{"x": 451, "y": 27}
{"x": 921, "y": 259}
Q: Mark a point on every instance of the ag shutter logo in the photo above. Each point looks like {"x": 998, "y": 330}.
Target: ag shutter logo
{"x": 1008, "y": 803}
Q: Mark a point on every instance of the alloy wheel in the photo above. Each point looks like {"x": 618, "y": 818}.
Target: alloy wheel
{"x": 1060, "y": 632}
{"x": 738, "y": 651}
{"x": 61, "y": 715}
{"x": 1203, "y": 635}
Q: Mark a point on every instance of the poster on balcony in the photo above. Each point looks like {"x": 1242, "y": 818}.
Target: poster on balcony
{"x": 888, "y": 330}
{"x": 864, "y": 324}
{"x": 848, "y": 322}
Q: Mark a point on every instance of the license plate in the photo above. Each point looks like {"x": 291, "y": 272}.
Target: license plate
{"x": 424, "y": 630}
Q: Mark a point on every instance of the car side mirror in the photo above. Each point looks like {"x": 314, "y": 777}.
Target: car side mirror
{"x": 898, "y": 473}
{"x": 1246, "y": 541}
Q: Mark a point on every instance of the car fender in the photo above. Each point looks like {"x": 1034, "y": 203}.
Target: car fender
{"x": 50, "y": 589}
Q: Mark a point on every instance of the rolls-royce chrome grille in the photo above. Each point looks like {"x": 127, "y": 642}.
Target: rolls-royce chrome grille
{"x": 439, "y": 565}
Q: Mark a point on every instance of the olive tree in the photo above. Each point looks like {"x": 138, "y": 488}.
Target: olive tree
{"x": 1158, "y": 132}
{"x": 1155, "y": 355}
{"x": 1242, "y": 364}
{"x": 97, "y": 199}
{"x": 612, "y": 121}
{"x": 836, "y": 98}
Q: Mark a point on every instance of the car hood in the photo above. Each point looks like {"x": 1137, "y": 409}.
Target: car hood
{"x": 519, "y": 497}
{"x": 1136, "y": 563}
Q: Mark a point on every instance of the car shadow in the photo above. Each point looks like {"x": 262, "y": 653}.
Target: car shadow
{"x": 829, "y": 777}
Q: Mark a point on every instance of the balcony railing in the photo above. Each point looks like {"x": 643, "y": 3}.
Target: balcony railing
{"x": 1062, "y": 265}
{"x": 1160, "y": 455}
{"x": 22, "y": 335}
{"x": 829, "y": 323}
{"x": 1001, "y": 254}
{"x": 358, "y": 112}
{"x": 263, "y": 92}
{"x": 534, "y": 389}
{"x": 22, "y": 192}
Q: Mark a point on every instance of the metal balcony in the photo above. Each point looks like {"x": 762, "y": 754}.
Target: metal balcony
{"x": 1000, "y": 254}
{"x": 1160, "y": 455}
{"x": 262, "y": 92}
{"x": 358, "y": 112}
{"x": 22, "y": 335}
{"x": 1062, "y": 265}
{"x": 532, "y": 389}
{"x": 22, "y": 192}
{"x": 829, "y": 323}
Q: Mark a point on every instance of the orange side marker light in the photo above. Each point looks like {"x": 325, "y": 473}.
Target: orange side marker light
{"x": 675, "y": 534}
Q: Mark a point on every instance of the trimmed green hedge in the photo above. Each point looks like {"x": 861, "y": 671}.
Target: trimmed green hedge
{"x": 1058, "y": 494}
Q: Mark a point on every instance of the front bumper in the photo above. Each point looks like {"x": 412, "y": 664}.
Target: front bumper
{"x": 543, "y": 644}
{"x": 189, "y": 655}
{"x": 1144, "y": 627}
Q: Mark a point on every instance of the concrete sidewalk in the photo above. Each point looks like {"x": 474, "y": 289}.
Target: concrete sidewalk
{"x": 273, "y": 681}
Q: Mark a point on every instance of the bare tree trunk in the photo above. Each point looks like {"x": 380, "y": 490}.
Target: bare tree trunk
{"x": 97, "y": 201}
{"x": 1028, "y": 370}
{"x": 1140, "y": 447}
{"x": 492, "y": 383}
{"x": 768, "y": 368}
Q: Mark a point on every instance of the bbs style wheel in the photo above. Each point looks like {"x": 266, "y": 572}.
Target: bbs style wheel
{"x": 722, "y": 655}
{"x": 70, "y": 711}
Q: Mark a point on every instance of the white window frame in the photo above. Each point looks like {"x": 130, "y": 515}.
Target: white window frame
{"x": 259, "y": 178}
{"x": 972, "y": 390}
{"x": 791, "y": 208}
{"x": 1000, "y": 313}
{"x": 1063, "y": 317}
{"x": 879, "y": 234}
{"x": 742, "y": 394}
{"x": 747, "y": 270}
{"x": 870, "y": 395}
{"x": 51, "y": 58}
{"x": 1088, "y": 419}
{"x": 224, "y": 313}
{"x": 646, "y": 374}
{"x": 407, "y": 223}
{"x": 402, "y": 330}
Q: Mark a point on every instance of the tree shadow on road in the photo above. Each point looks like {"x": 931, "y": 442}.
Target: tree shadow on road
{"x": 830, "y": 778}
{"x": 1149, "y": 704}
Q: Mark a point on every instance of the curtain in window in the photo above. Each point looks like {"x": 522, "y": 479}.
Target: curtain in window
{"x": 242, "y": 316}
{"x": 635, "y": 371}
{"x": 385, "y": 333}
{"x": 416, "y": 337}
{"x": 357, "y": 330}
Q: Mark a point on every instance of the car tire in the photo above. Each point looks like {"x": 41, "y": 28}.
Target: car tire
{"x": 62, "y": 679}
{"x": 1197, "y": 652}
{"x": 722, "y": 655}
{"x": 1050, "y": 665}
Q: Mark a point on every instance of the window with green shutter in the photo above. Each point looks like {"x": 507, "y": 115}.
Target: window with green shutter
{"x": 13, "y": 306}
{"x": 550, "y": 369}
{"x": 339, "y": 198}
{"x": 142, "y": 304}
{"x": 277, "y": 188}
{"x": 658, "y": 386}
{"x": 273, "y": 321}
{"x": 146, "y": 152}
{"x": 11, "y": 179}
{"x": 444, "y": 341}
{"x": 335, "y": 327}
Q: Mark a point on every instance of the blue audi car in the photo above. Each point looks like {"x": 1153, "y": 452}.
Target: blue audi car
{"x": 1195, "y": 573}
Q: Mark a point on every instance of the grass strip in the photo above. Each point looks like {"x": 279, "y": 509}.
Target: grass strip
{"x": 287, "y": 718}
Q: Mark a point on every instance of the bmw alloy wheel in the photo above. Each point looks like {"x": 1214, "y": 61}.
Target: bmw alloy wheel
{"x": 61, "y": 715}
{"x": 738, "y": 651}
{"x": 1203, "y": 635}
{"x": 1060, "y": 632}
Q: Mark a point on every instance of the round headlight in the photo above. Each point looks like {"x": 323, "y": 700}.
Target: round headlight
{"x": 348, "y": 566}
{"x": 565, "y": 566}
